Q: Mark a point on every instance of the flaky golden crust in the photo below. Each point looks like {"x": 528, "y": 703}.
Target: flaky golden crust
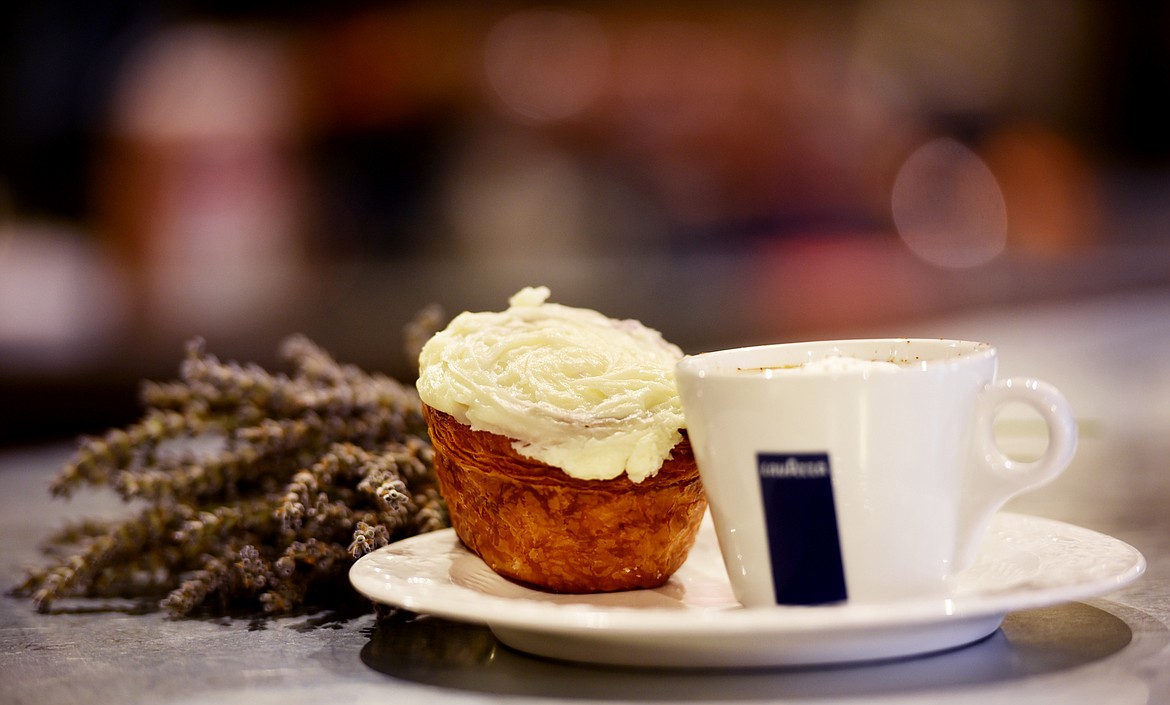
{"x": 537, "y": 525}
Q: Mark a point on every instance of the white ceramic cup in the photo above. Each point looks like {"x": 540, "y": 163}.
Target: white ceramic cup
{"x": 859, "y": 470}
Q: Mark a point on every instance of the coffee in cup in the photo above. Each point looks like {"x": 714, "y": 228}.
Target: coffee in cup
{"x": 858, "y": 470}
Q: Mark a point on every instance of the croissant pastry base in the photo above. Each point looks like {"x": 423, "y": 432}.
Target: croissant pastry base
{"x": 536, "y": 525}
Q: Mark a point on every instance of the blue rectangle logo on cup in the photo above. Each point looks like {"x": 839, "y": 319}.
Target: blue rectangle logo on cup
{"x": 803, "y": 540}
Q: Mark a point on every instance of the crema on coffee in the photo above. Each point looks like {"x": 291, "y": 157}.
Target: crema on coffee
{"x": 832, "y": 364}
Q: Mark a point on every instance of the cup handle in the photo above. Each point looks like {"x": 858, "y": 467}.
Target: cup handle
{"x": 995, "y": 478}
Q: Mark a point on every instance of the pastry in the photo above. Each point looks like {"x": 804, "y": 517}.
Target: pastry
{"x": 559, "y": 445}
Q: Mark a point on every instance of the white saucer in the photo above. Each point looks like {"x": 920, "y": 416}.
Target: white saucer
{"x": 694, "y": 621}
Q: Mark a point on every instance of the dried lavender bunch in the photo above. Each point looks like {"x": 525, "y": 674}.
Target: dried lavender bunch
{"x": 428, "y": 321}
{"x": 260, "y": 488}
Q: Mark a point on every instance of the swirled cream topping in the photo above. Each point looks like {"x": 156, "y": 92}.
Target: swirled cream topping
{"x": 575, "y": 389}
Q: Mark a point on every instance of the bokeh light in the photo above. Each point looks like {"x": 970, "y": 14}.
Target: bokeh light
{"x": 546, "y": 64}
{"x": 948, "y": 207}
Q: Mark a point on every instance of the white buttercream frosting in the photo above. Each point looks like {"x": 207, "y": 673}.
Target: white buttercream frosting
{"x": 575, "y": 389}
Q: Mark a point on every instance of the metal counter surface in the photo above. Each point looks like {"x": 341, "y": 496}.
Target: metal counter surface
{"x": 1111, "y": 357}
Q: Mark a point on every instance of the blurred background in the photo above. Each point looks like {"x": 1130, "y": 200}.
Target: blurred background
{"x": 727, "y": 173}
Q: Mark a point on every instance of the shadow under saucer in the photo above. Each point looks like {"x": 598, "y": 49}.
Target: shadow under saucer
{"x": 468, "y": 657}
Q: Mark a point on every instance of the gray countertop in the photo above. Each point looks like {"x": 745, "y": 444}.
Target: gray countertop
{"x": 1111, "y": 357}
